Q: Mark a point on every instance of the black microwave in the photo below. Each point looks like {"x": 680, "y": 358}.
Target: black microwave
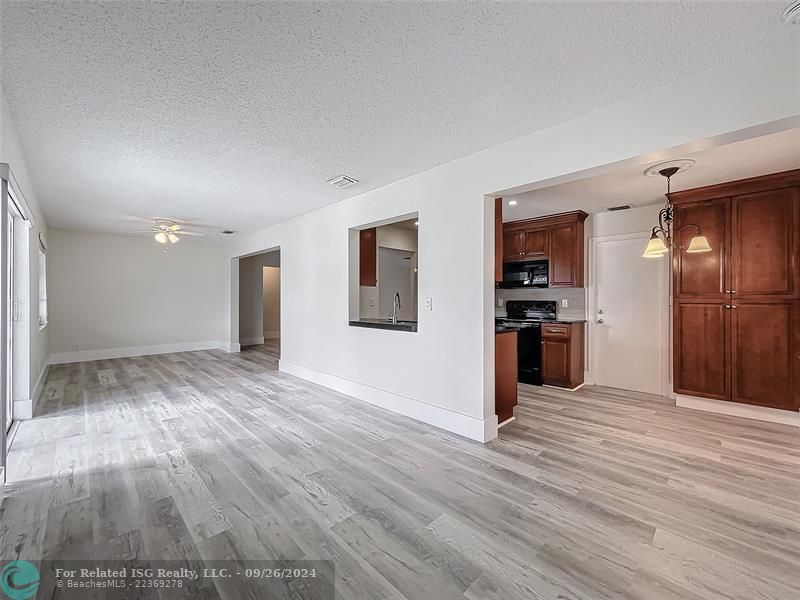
{"x": 532, "y": 274}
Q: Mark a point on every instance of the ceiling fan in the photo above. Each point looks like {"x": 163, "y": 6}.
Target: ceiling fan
{"x": 167, "y": 231}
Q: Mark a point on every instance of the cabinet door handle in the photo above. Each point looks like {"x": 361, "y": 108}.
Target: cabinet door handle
{"x": 733, "y": 306}
{"x": 727, "y": 306}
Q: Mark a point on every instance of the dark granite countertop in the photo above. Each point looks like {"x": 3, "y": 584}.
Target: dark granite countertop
{"x": 385, "y": 324}
{"x": 506, "y": 329}
{"x": 558, "y": 321}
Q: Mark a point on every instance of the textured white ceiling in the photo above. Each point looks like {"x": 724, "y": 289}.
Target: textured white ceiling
{"x": 234, "y": 114}
{"x": 628, "y": 185}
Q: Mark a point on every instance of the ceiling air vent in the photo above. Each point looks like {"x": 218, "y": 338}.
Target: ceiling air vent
{"x": 620, "y": 207}
{"x": 342, "y": 181}
{"x": 227, "y": 232}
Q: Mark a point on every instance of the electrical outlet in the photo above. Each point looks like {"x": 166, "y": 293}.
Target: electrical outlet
{"x": 429, "y": 304}
{"x": 500, "y": 303}
{"x": 372, "y": 301}
{"x": 564, "y": 303}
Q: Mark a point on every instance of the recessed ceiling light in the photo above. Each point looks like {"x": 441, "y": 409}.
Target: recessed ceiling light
{"x": 342, "y": 181}
{"x": 512, "y": 202}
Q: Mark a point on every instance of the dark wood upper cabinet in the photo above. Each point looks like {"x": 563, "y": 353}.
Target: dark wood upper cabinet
{"x": 563, "y": 257}
{"x": 537, "y": 243}
{"x": 513, "y": 245}
{"x": 556, "y": 238}
{"x": 764, "y": 353}
{"x": 368, "y": 257}
{"x": 764, "y": 249}
{"x": 703, "y": 275}
{"x": 700, "y": 349}
{"x": 498, "y": 240}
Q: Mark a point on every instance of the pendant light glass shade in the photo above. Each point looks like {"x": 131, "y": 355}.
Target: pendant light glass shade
{"x": 656, "y": 248}
{"x": 174, "y": 238}
{"x": 698, "y": 243}
{"x": 161, "y": 237}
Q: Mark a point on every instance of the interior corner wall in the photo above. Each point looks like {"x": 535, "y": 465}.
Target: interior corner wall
{"x": 116, "y": 295}
{"x": 443, "y": 374}
{"x": 272, "y": 302}
{"x": 11, "y": 152}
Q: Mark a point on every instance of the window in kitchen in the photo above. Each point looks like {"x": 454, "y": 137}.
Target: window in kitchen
{"x": 384, "y": 274}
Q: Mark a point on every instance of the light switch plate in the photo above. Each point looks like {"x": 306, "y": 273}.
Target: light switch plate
{"x": 372, "y": 301}
{"x": 428, "y": 303}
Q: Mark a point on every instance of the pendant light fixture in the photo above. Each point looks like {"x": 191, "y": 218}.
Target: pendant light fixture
{"x": 661, "y": 237}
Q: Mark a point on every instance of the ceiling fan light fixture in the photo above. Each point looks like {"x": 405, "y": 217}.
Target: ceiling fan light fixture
{"x": 161, "y": 237}
{"x": 698, "y": 244}
{"x": 172, "y": 237}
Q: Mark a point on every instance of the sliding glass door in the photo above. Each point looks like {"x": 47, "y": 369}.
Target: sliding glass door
{"x": 9, "y": 316}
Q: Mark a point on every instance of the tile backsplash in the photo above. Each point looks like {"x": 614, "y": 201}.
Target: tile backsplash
{"x": 576, "y": 298}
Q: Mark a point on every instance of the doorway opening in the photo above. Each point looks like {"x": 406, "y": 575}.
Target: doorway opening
{"x": 260, "y": 304}
{"x": 570, "y": 264}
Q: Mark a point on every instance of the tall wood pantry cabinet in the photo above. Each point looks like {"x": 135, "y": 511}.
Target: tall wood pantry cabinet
{"x": 736, "y": 321}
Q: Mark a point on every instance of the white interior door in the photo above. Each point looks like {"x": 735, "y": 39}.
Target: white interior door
{"x": 628, "y": 325}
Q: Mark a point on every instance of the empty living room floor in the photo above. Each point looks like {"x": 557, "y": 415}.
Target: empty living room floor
{"x": 590, "y": 495}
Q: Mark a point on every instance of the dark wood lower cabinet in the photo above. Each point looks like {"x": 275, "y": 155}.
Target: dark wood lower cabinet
{"x": 700, "y": 349}
{"x": 765, "y": 354}
{"x": 505, "y": 374}
{"x": 562, "y": 355}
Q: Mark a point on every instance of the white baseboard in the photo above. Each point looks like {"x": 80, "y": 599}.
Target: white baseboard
{"x": 558, "y": 387}
{"x": 734, "y": 409}
{"x": 443, "y": 418}
{"x": 24, "y": 409}
{"x": 59, "y": 358}
{"x": 232, "y": 348}
{"x": 252, "y": 341}
{"x": 507, "y": 421}
{"x": 272, "y": 335}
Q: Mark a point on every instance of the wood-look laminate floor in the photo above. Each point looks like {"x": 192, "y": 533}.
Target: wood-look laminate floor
{"x": 591, "y": 495}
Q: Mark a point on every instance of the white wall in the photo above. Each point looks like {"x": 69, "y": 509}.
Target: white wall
{"x": 396, "y": 276}
{"x": 251, "y": 296}
{"x": 452, "y": 355}
{"x": 11, "y": 152}
{"x": 272, "y": 302}
{"x": 113, "y": 295}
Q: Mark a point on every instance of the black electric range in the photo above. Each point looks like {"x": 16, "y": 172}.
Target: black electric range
{"x": 527, "y": 316}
